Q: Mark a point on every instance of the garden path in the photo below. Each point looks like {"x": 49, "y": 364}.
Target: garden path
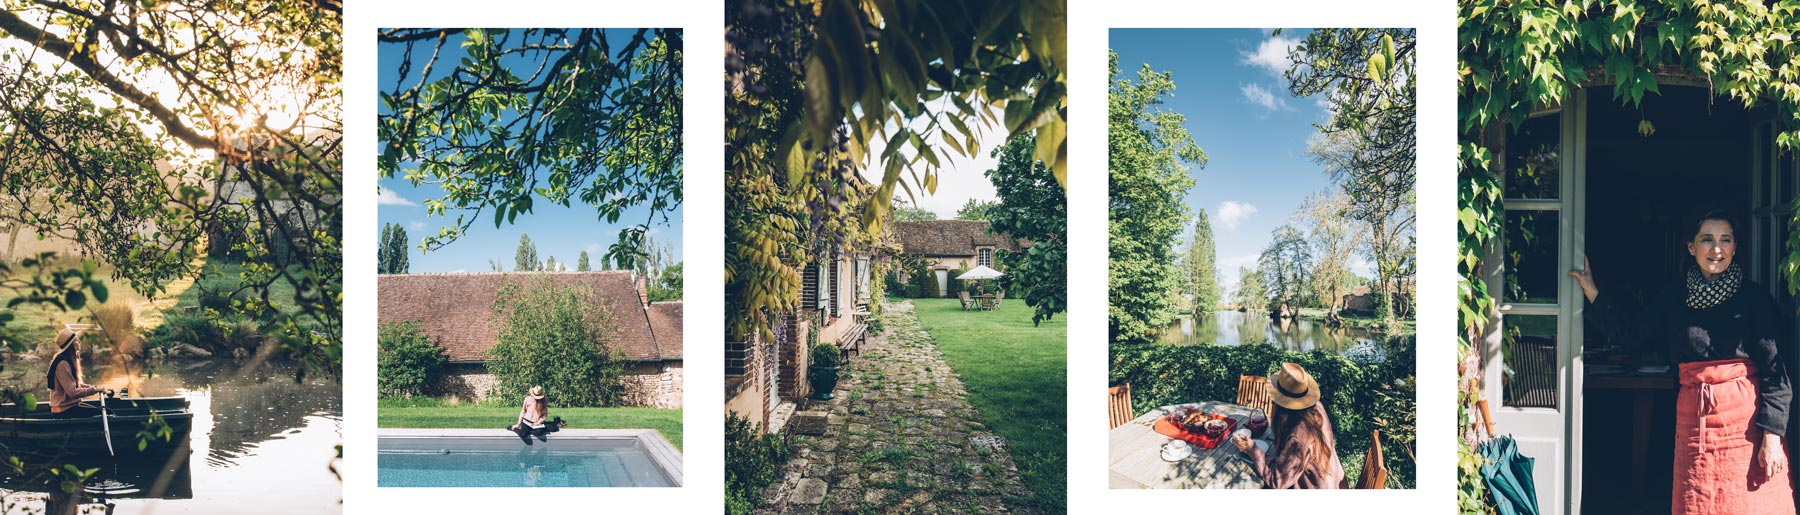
{"x": 899, "y": 438}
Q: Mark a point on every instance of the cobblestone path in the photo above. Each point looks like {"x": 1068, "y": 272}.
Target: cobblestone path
{"x": 898, "y": 438}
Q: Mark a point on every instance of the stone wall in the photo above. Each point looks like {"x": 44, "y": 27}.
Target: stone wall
{"x": 654, "y": 384}
{"x": 650, "y": 384}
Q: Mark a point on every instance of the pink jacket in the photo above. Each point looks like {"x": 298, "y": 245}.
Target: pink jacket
{"x": 69, "y": 388}
{"x": 534, "y": 409}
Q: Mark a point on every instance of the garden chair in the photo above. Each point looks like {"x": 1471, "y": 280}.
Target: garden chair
{"x": 964, "y": 295}
{"x": 1256, "y": 392}
{"x": 999, "y": 296}
{"x": 1118, "y": 405}
{"x": 1374, "y": 472}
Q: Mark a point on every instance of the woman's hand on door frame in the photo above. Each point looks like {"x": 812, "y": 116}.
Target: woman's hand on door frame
{"x": 1585, "y": 277}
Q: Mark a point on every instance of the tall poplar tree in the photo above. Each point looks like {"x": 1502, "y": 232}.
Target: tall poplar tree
{"x": 1200, "y": 266}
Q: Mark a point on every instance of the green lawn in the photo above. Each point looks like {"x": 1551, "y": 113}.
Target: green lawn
{"x": 1016, "y": 375}
{"x": 433, "y": 413}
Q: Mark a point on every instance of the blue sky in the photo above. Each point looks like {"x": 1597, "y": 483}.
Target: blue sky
{"x": 1228, "y": 83}
{"x": 560, "y": 232}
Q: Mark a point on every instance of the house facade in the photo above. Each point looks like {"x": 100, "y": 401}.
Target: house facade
{"x": 455, "y": 311}
{"x": 764, "y": 377}
{"x": 948, "y": 245}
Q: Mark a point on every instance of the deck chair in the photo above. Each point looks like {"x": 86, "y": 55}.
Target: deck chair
{"x": 1256, "y": 392}
{"x": 1118, "y": 405}
{"x": 964, "y": 295}
{"x": 1375, "y": 471}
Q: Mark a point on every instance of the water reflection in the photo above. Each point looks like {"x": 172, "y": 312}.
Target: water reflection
{"x": 1241, "y": 328}
{"x": 260, "y": 442}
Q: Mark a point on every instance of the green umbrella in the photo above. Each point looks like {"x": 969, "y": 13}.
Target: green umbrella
{"x": 1508, "y": 476}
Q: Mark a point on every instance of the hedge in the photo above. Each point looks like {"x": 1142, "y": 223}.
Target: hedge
{"x": 1359, "y": 399}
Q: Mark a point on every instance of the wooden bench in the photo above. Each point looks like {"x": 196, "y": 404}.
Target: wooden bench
{"x": 852, "y": 339}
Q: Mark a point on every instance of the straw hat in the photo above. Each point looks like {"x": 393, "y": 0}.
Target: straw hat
{"x": 1294, "y": 388}
{"x": 537, "y": 392}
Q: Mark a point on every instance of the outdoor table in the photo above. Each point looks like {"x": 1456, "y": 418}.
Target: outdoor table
{"x": 985, "y": 301}
{"x": 1136, "y": 454}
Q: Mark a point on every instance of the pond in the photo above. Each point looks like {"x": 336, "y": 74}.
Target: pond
{"x": 1239, "y": 328}
{"x": 261, "y": 442}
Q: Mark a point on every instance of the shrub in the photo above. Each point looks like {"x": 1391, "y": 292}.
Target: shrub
{"x": 826, "y": 355}
{"x": 1359, "y": 399}
{"x": 924, "y": 284}
{"x": 556, "y": 336}
{"x": 186, "y": 328}
{"x": 407, "y": 361}
{"x": 954, "y": 287}
{"x": 752, "y": 463}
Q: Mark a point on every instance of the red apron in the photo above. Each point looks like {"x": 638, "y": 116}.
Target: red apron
{"x": 1716, "y": 470}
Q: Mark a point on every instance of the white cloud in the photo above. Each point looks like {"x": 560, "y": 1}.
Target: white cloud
{"x": 416, "y": 225}
{"x": 389, "y": 198}
{"x": 594, "y": 250}
{"x": 459, "y": 271}
{"x": 1232, "y": 263}
{"x": 1259, "y": 96}
{"x": 1231, "y": 213}
{"x": 1272, "y": 54}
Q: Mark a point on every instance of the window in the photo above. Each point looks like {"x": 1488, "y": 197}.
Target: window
{"x": 984, "y": 257}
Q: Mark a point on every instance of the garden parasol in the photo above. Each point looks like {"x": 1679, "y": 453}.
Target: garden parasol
{"x": 979, "y": 272}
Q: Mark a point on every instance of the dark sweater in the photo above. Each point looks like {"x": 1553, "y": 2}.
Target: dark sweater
{"x": 1747, "y": 325}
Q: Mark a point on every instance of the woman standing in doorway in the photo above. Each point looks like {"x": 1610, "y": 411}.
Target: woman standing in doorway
{"x": 1732, "y": 410}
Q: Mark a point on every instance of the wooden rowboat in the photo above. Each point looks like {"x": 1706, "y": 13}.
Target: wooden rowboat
{"x": 38, "y": 430}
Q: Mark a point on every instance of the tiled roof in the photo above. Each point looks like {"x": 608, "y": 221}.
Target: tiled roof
{"x": 455, "y": 310}
{"x": 949, "y": 237}
{"x": 665, "y": 320}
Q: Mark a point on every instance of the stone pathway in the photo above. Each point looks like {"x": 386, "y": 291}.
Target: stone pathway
{"x": 898, "y": 438}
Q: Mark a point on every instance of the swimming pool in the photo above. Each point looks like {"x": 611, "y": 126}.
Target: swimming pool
{"x": 496, "y": 458}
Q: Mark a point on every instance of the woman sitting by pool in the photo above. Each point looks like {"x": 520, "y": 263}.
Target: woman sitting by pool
{"x": 533, "y": 414}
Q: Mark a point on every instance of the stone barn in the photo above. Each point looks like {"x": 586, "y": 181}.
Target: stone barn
{"x": 455, "y": 311}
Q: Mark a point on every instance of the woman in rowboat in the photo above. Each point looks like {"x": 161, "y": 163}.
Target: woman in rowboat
{"x": 64, "y": 379}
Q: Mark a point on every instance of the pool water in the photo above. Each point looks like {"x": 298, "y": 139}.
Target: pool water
{"x": 493, "y": 458}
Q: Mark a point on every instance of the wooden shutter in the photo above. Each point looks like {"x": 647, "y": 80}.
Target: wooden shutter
{"x": 809, "y": 287}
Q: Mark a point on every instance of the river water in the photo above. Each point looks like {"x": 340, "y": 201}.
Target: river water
{"x": 1240, "y": 328}
{"x": 260, "y": 443}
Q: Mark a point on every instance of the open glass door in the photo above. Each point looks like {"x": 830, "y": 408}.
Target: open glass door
{"x": 1532, "y": 357}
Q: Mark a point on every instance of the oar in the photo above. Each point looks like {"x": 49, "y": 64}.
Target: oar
{"x": 106, "y": 425}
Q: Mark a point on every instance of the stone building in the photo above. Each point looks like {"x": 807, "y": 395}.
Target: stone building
{"x": 455, "y": 311}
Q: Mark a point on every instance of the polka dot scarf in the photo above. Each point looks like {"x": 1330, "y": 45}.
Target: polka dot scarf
{"x": 1704, "y": 294}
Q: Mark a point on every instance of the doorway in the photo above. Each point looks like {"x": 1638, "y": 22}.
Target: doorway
{"x": 1591, "y": 179}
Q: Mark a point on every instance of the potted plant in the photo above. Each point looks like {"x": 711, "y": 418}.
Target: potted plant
{"x": 824, "y": 370}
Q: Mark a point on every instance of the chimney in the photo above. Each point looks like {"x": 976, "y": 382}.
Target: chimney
{"x": 642, "y": 283}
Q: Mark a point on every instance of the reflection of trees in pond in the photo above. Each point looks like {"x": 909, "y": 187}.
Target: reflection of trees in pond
{"x": 247, "y": 411}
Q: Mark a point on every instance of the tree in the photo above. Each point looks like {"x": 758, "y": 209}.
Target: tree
{"x": 983, "y": 209}
{"x": 391, "y": 257}
{"x": 1199, "y": 268}
{"x": 1252, "y": 294}
{"x": 904, "y": 211}
{"x": 550, "y": 265}
{"x": 1147, "y": 149}
{"x": 581, "y": 262}
{"x": 807, "y": 94}
{"x": 525, "y": 259}
{"x": 1285, "y": 266}
{"x": 526, "y": 114}
{"x": 559, "y": 337}
{"x": 1369, "y": 145}
{"x": 1333, "y": 243}
{"x": 667, "y": 286}
{"x": 189, "y": 129}
{"x": 408, "y": 362}
{"x": 1031, "y": 207}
